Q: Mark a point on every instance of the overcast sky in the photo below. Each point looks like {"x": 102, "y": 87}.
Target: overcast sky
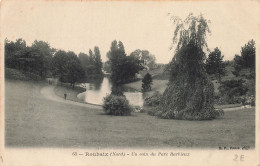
{"x": 79, "y": 26}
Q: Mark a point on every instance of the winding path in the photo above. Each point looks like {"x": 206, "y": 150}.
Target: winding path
{"x": 48, "y": 93}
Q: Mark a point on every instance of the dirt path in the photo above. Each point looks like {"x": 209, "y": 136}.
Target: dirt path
{"x": 48, "y": 93}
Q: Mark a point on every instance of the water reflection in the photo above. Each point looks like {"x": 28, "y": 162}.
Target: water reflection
{"x": 96, "y": 91}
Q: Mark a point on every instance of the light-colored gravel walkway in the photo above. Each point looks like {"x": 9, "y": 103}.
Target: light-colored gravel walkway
{"x": 48, "y": 93}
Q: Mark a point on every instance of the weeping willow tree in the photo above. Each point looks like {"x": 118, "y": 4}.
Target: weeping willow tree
{"x": 190, "y": 93}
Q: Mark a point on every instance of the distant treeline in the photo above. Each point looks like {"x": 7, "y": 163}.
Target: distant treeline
{"x": 92, "y": 63}
{"x": 42, "y": 60}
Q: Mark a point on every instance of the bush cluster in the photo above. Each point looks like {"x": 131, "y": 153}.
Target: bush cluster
{"x": 232, "y": 91}
{"x": 116, "y": 105}
{"x": 226, "y": 99}
{"x": 146, "y": 82}
{"x": 153, "y": 100}
{"x": 154, "y": 111}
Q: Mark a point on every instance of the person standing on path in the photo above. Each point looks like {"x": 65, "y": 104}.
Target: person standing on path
{"x": 65, "y": 95}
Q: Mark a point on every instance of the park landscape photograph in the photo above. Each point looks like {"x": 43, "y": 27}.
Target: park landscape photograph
{"x": 129, "y": 75}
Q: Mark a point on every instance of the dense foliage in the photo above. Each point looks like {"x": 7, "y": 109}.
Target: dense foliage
{"x": 66, "y": 67}
{"x": 92, "y": 63}
{"x": 35, "y": 59}
{"x": 146, "y": 57}
{"x": 214, "y": 64}
{"x": 123, "y": 68}
{"x": 232, "y": 91}
{"x": 246, "y": 60}
{"x": 190, "y": 93}
{"x": 147, "y": 82}
{"x": 41, "y": 61}
{"x": 153, "y": 100}
{"x": 107, "y": 66}
{"x": 116, "y": 105}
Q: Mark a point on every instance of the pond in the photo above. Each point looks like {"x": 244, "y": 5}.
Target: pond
{"x": 96, "y": 91}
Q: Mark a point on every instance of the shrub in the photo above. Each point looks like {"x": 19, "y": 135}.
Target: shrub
{"x": 226, "y": 99}
{"x": 117, "y": 90}
{"x": 116, "y": 105}
{"x": 154, "y": 111}
{"x": 153, "y": 100}
{"x": 231, "y": 91}
{"x": 219, "y": 112}
{"x": 253, "y": 101}
{"x": 146, "y": 82}
{"x": 235, "y": 73}
{"x": 248, "y": 100}
{"x": 138, "y": 109}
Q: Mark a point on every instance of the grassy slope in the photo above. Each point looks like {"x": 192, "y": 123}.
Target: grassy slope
{"x": 158, "y": 85}
{"x": 31, "y": 120}
{"x": 160, "y": 81}
{"x": 20, "y": 75}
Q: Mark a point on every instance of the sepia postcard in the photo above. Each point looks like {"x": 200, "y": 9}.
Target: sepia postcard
{"x": 124, "y": 83}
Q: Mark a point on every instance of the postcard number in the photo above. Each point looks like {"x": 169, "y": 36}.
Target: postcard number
{"x": 239, "y": 158}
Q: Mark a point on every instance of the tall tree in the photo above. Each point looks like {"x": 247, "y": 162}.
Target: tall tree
{"x": 117, "y": 57}
{"x": 43, "y": 54}
{"x": 84, "y": 59}
{"x": 214, "y": 64}
{"x": 146, "y": 82}
{"x": 132, "y": 66}
{"x": 144, "y": 55}
{"x": 248, "y": 55}
{"x": 190, "y": 93}
{"x": 97, "y": 60}
{"x": 123, "y": 68}
{"x": 59, "y": 68}
{"x": 91, "y": 57}
{"x": 246, "y": 60}
{"x": 66, "y": 66}
{"x": 75, "y": 72}
{"x": 15, "y": 54}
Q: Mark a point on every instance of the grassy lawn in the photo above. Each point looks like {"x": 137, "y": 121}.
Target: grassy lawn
{"x": 158, "y": 85}
{"x": 33, "y": 121}
{"x": 153, "y": 72}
